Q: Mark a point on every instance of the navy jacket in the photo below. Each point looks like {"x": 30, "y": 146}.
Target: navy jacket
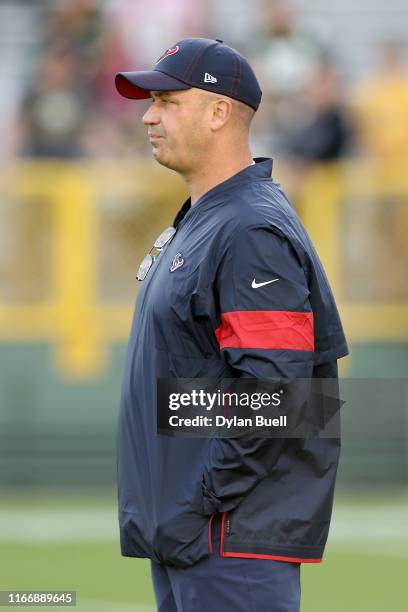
{"x": 212, "y": 316}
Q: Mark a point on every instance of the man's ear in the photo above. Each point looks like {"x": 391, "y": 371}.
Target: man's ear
{"x": 221, "y": 112}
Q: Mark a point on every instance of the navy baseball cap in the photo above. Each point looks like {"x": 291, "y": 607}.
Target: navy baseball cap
{"x": 195, "y": 62}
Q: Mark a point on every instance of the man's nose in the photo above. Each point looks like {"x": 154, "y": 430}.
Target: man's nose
{"x": 151, "y": 116}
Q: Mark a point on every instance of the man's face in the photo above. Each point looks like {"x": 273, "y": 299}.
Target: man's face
{"x": 178, "y": 128}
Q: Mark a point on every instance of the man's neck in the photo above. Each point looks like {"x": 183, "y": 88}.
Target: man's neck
{"x": 209, "y": 177}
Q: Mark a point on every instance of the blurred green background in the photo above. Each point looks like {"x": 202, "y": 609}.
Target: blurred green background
{"x": 81, "y": 202}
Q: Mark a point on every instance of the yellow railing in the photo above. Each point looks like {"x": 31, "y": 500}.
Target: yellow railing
{"x": 80, "y": 325}
{"x": 324, "y": 192}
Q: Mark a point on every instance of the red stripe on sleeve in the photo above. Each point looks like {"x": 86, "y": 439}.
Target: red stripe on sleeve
{"x": 266, "y": 329}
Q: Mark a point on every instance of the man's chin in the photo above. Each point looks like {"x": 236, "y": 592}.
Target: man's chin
{"x": 163, "y": 159}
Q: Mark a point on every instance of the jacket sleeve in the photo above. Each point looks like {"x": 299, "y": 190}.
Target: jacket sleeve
{"x": 264, "y": 330}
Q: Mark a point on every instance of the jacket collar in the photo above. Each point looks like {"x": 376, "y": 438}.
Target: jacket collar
{"x": 261, "y": 170}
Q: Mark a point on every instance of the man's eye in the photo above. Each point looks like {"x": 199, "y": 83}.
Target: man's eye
{"x": 164, "y": 100}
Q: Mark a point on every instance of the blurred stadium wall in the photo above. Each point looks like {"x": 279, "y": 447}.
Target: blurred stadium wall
{"x": 81, "y": 202}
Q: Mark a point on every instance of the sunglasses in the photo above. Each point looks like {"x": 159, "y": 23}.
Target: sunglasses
{"x": 154, "y": 252}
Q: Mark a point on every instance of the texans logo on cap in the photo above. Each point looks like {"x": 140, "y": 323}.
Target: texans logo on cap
{"x": 171, "y": 51}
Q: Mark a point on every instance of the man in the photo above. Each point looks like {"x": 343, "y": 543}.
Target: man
{"x": 235, "y": 291}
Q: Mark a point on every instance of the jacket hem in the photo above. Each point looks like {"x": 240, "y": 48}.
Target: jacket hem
{"x": 276, "y": 553}
{"x": 244, "y": 555}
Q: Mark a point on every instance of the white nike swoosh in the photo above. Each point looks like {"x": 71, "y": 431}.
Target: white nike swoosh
{"x": 255, "y": 285}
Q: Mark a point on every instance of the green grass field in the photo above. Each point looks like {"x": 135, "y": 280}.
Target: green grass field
{"x": 67, "y": 542}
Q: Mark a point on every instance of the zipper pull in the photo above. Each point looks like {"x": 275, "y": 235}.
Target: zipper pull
{"x": 227, "y": 527}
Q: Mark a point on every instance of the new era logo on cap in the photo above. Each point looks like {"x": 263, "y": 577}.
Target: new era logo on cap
{"x": 208, "y": 78}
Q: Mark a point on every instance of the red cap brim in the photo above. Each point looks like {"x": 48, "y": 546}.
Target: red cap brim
{"x": 138, "y": 85}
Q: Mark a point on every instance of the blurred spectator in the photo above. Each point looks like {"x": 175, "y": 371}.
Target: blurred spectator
{"x": 323, "y": 135}
{"x": 103, "y": 137}
{"x": 67, "y": 107}
{"x": 76, "y": 26}
{"x": 53, "y": 110}
{"x": 379, "y": 107}
{"x": 286, "y": 59}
